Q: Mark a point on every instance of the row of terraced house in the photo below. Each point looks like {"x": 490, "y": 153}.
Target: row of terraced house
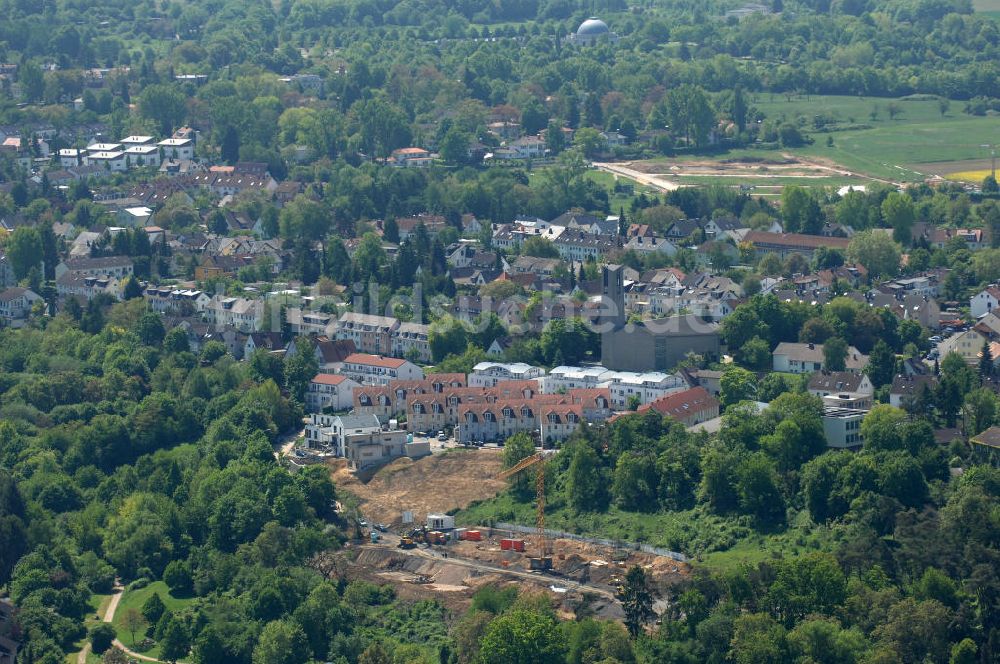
{"x": 482, "y": 413}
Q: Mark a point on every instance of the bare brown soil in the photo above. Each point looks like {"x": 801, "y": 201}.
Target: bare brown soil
{"x": 784, "y": 166}
{"x": 434, "y": 484}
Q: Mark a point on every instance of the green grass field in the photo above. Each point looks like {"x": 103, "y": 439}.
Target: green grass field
{"x": 618, "y": 200}
{"x": 710, "y": 541}
{"x": 135, "y": 599}
{"x": 892, "y": 149}
{"x": 98, "y": 605}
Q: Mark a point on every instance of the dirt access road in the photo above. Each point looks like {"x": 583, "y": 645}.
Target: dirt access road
{"x": 442, "y": 556}
{"x": 655, "y": 181}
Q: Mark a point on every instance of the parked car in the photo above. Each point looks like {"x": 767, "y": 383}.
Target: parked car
{"x": 442, "y": 436}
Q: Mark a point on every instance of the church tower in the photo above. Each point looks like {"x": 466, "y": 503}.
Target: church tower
{"x": 614, "y": 295}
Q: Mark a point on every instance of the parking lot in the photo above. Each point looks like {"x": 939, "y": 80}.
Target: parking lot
{"x": 449, "y": 442}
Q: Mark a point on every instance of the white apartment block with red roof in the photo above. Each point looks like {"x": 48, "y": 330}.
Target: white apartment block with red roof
{"x": 367, "y": 369}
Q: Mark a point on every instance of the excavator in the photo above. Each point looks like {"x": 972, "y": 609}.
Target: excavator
{"x": 543, "y": 562}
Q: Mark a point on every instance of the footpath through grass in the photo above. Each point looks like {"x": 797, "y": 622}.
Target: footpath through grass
{"x": 135, "y": 599}
{"x": 709, "y": 540}
{"x": 98, "y": 605}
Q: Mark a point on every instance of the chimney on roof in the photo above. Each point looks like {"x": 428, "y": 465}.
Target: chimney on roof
{"x": 812, "y": 346}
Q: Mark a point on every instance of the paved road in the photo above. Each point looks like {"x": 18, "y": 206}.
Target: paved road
{"x": 287, "y": 442}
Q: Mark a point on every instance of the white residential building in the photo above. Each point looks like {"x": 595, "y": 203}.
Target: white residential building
{"x": 365, "y": 369}
{"x": 806, "y": 358}
{"x": 842, "y": 427}
{"x": 648, "y": 386}
{"x": 71, "y": 157}
{"x": 488, "y": 374}
{"x": 177, "y": 148}
{"x": 110, "y": 161}
{"x": 984, "y": 302}
{"x": 102, "y": 266}
{"x": 16, "y": 304}
{"x": 238, "y": 312}
{"x": 138, "y": 156}
{"x": 333, "y": 430}
{"x": 968, "y": 344}
{"x": 330, "y": 391}
{"x": 104, "y": 147}
{"x": 175, "y": 299}
{"x": 563, "y": 378}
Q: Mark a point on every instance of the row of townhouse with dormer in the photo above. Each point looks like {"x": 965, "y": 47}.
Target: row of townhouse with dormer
{"x": 239, "y": 313}
{"x": 387, "y": 401}
{"x": 181, "y": 300}
{"x": 484, "y": 413}
{"x": 384, "y": 335}
{"x": 551, "y": 418}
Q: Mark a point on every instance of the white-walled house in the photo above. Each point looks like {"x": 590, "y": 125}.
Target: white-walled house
{"x": 367, "y": 369}
{"x": 71, "y": 157}
{"x": 806, "y": 358}
{"x": 114, "y": 162}
{"x": 177, "y": 148}
{"x": 138, "y": 156}
{"x": 984, "y": 301}
{"x": 330, "y": 391}
{"x": 16, "y": 304}
{"x": 647, "y": 387}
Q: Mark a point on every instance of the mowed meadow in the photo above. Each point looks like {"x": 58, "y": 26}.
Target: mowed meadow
{"x": 904, "y": 148}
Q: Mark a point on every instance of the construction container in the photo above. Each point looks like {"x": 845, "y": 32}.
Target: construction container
{"x": 436, "y": 537}
{"x": 473, "y": 536}
{"x": 458, "y": 534}
{"x": 509, "y": 544}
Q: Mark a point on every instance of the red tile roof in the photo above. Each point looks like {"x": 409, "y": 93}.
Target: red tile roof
{"x": 329, "y": 379}
{"x": 682, "y": 404}
{"x": 374, "y": 360}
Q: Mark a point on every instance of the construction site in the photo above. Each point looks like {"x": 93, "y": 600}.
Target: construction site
{"x": 408, "y": 538}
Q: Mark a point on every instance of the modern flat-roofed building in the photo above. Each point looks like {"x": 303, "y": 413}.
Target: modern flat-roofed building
{"x": 842, "y": 427}
{"x": 488, "y": 374}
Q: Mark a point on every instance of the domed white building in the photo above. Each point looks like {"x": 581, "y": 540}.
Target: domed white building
{"x": 592, "y": 31}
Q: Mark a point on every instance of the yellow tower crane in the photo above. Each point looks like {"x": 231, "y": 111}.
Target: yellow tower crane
{"x": 544, "y": 559}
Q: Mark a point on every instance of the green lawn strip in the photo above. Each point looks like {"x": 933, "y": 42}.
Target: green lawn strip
{"x": 98, "y": 604}
{"x": 135, "y": 599}
{"x": 707, "y": 539}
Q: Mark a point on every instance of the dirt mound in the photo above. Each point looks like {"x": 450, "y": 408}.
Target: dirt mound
{"x": 438, "y": 483}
